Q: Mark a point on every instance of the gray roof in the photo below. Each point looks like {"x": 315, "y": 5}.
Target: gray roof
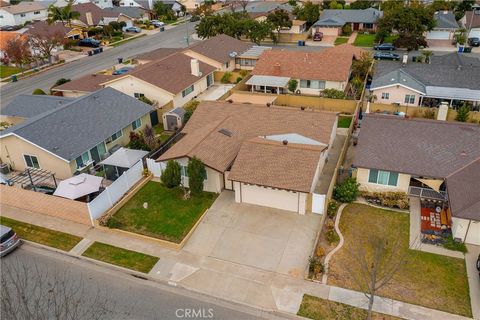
{"x": 28, "y": 106}
{"x": 254, "y": 52}
{"x": 178, "y": 111}
{"x": 452, "y": 70}
{"x": 463, "y": 194}
{"x": 80, "y": 125}
{"x": 272, "y": 81}
{"x": 264, "y": 6}
{"x": 397, "y": 76}
{"x": 445, "y": 20}
{"x": 132, "y": 12}
{"x": 420, "y": 147}
{"x": 340, "y": 17}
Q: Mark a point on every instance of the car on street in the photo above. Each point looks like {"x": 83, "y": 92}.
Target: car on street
{"x": 386, "y": 56}
{"x": 121, "y": 71}
{"x": 89, "y": 42}
{"x": 474, "y": 42}
{"x": 133, "y": 29}
{"x": 194, "y": 18}
{"x": 8, "y": 240}
{"x": 157, "y": 23}
{"x": 385, "y": 47}
{"x": 318, "y": 36}
{"x": 7, "y": 28}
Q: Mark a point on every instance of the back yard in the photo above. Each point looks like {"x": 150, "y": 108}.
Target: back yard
{"x": 429, "y": 280}
{"x": 168, "y": 216}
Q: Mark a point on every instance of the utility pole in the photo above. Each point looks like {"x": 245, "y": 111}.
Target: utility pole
{"x": 187, "y": 37}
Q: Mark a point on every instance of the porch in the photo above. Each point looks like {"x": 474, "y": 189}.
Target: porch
{"x": 268, "y": 84}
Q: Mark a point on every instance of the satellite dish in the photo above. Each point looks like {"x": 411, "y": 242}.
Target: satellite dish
{"x": 233, "y": 54}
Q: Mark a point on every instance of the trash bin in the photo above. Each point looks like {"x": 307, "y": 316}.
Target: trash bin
{"x": 100, "y": 49}
{"x": 467, "y": 49}
{"x": 14, "y": 78}
{"x": 162, "y": 29}
{"x": 414, "y": 59}
{"x": 90, "y": 53}
{"x": 460, "y": 49}
{"x": 299, "y": 43}
{"x": 120, "y": 60}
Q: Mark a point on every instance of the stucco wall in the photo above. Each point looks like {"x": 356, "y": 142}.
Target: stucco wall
{"x": 125, "y": 138}
{"x": 16, "y": 19}
{"x": 397, "y": 95}
{"x": 362, "y": 178}
{"x": 198, "y": 88}
{"x": 337, "y": 85}
{"x": 466, "y": 230}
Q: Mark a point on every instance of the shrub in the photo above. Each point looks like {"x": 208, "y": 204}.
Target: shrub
{"x": 429, "y": 113}
{"x": 238, "y": 79}
{"x": 145, "y": 100}
{"x": 292, "y": 85}
{"x": 451, "y": 244}
{"x": 347, "y": 29}
{"x": 347, "y": 191}
{"x": 38, "y": 91}
{"x": 388, "y": 199}
{"x": 243, "y": 73}
{"x": 332, "y": 208}
{"x": 320, "y": 251}
{"x": 315, "y": 266}
{"x": 137, "y": 141}
{"x": 333, "y": 94}
{"x": 171, "y": 176}
{"x": 463, "y": 113}
{"x": 331, "y": 236}
{"x": 226, "y": 77}
{"x": 60, "y": 82}
{"x": 189, "y": 109}
{"x": 196, "y": 175}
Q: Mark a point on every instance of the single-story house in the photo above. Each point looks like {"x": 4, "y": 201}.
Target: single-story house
{"x": 270, "y": 156}
{"x": 442, "y": 33}
{"x": 68, "y": 139}
{"x": 423, "y": 158}
{"x": 83, "y": 85}
{"x": 313, "y": 71}
{"x": 92, "y": 15}
{"x": 14, "y": 15}
{"x": 157, "y": 54}
{"x": 263, "y": 7}
{"x": 331, "y": 21}
{"x": 452, "y": 77}
{"x": 135, "y": 13}
{"x": 44, "y": 30}
{"x": 471, "y": 21}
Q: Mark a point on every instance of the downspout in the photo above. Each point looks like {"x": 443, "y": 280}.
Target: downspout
{"x": 468, "y": 228}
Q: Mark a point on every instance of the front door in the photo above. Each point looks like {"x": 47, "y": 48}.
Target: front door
{"x": 95, "y": 155}
{"x": 356, "y": 26}
{"x": 209, "y": 80}
{"x": 154, "y": 118}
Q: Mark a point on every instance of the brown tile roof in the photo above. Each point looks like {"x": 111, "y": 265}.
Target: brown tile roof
{"x": 472, "y": 20}
{"x": 157, "y": 54}
{"x": 172, "y": 74}
{"x": 331, "y": 64}
{"x": 463, "y": 191}
{"x": 273, "y": 164}
{"x": 96, "y": 12}
{"x": 43, "y": 29}
{"x": 244, "y": 122}
{"x": 88, "y": 83}
{"x": 24, "y": 6}
{"x": 219, "y": 47}
{"x": 420, "y": 147}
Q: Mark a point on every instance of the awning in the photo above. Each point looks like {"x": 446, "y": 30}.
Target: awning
{"x": 270, "y": 81}
{"x": 78, "y": 186}
{"x": 124, "y": 158}
{"x": 452, "y": 93}
{"x": 434, "y": 184}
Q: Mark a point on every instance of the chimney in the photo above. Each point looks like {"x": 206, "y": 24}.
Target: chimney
{"x": 195, "y": 67}
{"x": 442, "y": 111}
{"x": 88, "y": 15}
{"x": 276, "y": 69}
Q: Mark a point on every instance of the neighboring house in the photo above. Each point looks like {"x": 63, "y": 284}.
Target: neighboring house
{"x": 83, "y": 85}
{"x": 92, "y": 15}
{"x": 63, "y": 3}
{"x": 442, "y": 33}
{"x": 331, "y": 22}
{"x": 191, "y": 5}
{"x": 259, "y": 8}
{"x": 429, "y": 159}
{"x": 70, "y": 138}
{"x": 135, "y": 13}
{"x": 452, "y": 77}
{"x": 45, "y": 30}
{"x": 5, "y": 37}
{"x": 270, "y": 156}
{"x": 18, "y": 14}
{"x": 157, "y": 54}
{"x": 314, "y": 71}
{"x": 471, "y": 21}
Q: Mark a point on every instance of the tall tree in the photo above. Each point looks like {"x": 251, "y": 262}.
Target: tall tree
{"x": 257, "y": 31}
{"x": 196, "y": 175}
{"x": 279, "y": 19}
{"x": 463, "y": 6}
{"x": 44, "y": 44}
{"x": 18, "y": 50}
{"x": 65, "y": 15}
{"x": 362, "y": 4}
{"x": 309, "y": 12}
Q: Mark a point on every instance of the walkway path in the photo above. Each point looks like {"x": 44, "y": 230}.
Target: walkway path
{"x": 340, "y": 243}
{"x": 329, "y": 167}
{"x": 225, "y": 280}
{"x": 352, "y": 38}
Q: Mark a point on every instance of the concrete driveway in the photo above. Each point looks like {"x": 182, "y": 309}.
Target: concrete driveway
{"x": 265, "y": 238}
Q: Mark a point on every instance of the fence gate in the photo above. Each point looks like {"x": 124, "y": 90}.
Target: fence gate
{"x": 318, "y": 203}
{"x": 155, "y": 167}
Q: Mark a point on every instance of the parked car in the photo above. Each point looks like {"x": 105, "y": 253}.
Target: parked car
{"x": 318, "y": 36}
{"x": 157, "y": 23}
{"x": 386, "y": 56}
{"x": 7, "y": 28}
{"x": 8, "y": 240}
{"x": 474, "y": 42}
{"x": 89, "y": 42}
{"x": 121, "y": 71}
{"x": 133, "y": 29}
{"x": 385, "y": 47}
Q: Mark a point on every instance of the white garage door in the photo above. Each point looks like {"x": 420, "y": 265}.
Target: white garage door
{"x": 267, "y": 197}
{"x": 329, "y": 31}
{"x": 438, "y": 35}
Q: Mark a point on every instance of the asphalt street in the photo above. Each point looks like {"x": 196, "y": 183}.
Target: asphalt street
{"x": 172, "y": 38}
{"x": 124, "y": 296}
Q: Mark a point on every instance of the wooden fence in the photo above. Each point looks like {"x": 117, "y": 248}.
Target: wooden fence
{"x": 316, "y": 103}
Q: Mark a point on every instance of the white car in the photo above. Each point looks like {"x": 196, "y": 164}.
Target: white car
{"x": 157, "y": 23}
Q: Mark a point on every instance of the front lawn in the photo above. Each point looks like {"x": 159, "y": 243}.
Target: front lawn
{"x": 168, "y": 217}
{"x": 121, "y": 257}
{"x": 364, "y": 40}
{"x": 321, "y": 309}
{"x": 340, "y": 40}
{"x": 48, "y": 237}
{"x": 6, "y": 71}
{"x": 429, "y": 280}
{"x": 344, "y": 121}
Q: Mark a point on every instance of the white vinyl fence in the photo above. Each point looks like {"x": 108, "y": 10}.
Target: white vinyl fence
{"x": 318, "y": 203}
{"x": 156, "y": 168}
{"x": 115, "y": 191}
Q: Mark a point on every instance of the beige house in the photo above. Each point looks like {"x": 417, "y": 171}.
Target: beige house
{"x": 268, "y": 156}
{"x": 75, "y": 135}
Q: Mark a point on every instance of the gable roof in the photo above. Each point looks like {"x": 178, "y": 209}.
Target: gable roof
{"x": 218, "y": 150}
{"x": 88, "y": 83}
{"x": 97, "y": 13}
{"x": 29, "y": 106}
{"x": 24, "y": 6}
{"x": 331, "y": 64}
{"x": 43, "y": 29}
{"x": 397, "y": 77}
{"x": 219, "y": 47}
{"x": 445, "y": 20}
{"x": 80, "y": 125}
{"x": 132, "y": 12}
{"x": 334, "y": 17}
{"x": 264, "y": 6}
{"x": 420, "y": 147}
{"x": 157, "y": 54}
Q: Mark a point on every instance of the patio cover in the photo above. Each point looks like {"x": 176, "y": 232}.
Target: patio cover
{"x": 270, "y": 81}
{"x": 432, "y": 183}
{"x": 78, "y": 186}
{"x": 453, "y": 93}
{"x": 124, "y": 158}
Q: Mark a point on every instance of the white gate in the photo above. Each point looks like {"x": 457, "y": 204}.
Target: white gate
{"x": 318, "y": 203}
{"x": 156, "y": 168}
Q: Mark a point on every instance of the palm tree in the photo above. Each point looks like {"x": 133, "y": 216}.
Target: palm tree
{"x": 65, "y": 14}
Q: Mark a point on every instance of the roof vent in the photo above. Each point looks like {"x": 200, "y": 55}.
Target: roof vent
{"x": 285, "y": 142}
{"x": 463, "y": 154}
{"x": 225, "y": 132}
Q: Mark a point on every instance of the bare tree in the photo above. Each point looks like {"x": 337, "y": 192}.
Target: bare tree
{"x": 18, "y": 50}
{"x": 376, "y": 258}
{"x": 243, "y": 4}
{"x": 44, "y": 44}
{"x": 30, "y": 292}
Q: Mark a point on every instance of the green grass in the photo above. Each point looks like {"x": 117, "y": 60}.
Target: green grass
{"x": 429, "y": 280}
{"x": 6, "y": 71}
{"x": 344, "y": 121}
{"x": 364, "y": 40}
{"x": 321, "y": 309}
{"x": 341, "y": 40}
{"x": 121, "y": 257}
{"x": 116, "y": 44}
{"x": 168, "y": 217}
{"x": 48, "y": 237}
{"x": 158, "y": 129}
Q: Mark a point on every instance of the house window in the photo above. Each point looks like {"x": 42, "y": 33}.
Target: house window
{"x": 227, "y": 64}
{"x": 383, "y": 177}
{"x": 183, "y": 171}
{"x": 409, "y": 98}
{"x": 312, "y": 84}
{"x": 138, "y": 95}
{"x": 82, "y": 160}
{"x": 136, "y": 124}
{"x": 22, "y": 15}
{"x": 117, "y": 135}
{"x": 385, "y": 95}
{"x": 368, "y": 26}
{"x": 31, "y": 161}
{"x": 36, "y": 12}
{"x": 187, "y": 91}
